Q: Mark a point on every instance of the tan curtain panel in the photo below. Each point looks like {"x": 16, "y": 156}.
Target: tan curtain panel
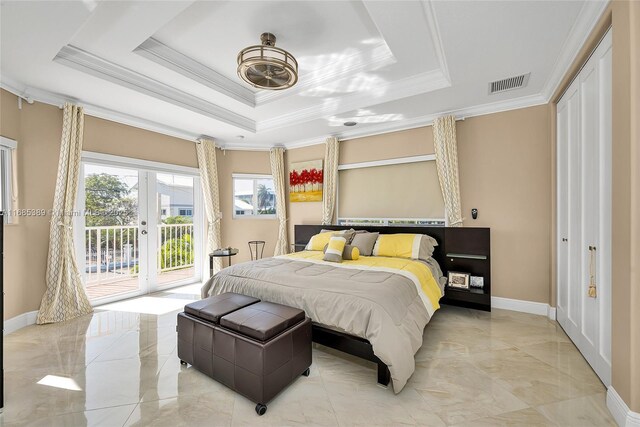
{"x": 329, "y": 192}
{"x": 276, "y": 156}
{"x": 65, "y": 297}
{"x": 446, "y": 148}
{"x": 206, "y": 151}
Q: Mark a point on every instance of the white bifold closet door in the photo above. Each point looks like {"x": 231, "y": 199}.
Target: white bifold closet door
{"x": 584, "y": 210}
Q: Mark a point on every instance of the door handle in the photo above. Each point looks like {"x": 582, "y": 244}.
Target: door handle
{"x": 564, "y": 239}
{"x": 144, "y": 232}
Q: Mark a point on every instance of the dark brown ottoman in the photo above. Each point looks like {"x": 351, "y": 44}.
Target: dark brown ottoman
{"x": 256, "y": 349}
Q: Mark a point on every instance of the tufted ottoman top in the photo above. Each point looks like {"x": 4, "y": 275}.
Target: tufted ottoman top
{"x": 213, "y": 308}
{"x": 263, "y": 320}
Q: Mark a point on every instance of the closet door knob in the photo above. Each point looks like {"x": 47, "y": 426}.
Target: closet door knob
{"x": 564, "y": 239}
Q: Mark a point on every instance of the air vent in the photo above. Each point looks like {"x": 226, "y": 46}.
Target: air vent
{"x": 510, "y": 83}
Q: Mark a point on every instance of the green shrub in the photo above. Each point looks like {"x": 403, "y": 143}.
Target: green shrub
{"x": 176, "y": 252}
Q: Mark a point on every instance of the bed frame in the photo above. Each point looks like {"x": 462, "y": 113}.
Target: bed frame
{"x": 458, "y": 249}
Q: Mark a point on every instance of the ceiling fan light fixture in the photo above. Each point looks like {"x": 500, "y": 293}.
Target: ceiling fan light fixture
{"x": 266, "y": 66}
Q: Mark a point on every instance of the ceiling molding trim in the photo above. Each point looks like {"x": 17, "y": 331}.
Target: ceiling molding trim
{"x": 378, "y": 58}
{"x": 167, "y": 57}
{"x": 46, "y": 97}
{"x": 50, "y": 98}
{"x": 499, "y": 106}
{"x": 586, "y": 21}
{"x": 239, "y": 147}
{"x": 427, "y": 120}
{"x": 409, "y": 86}
{"x": 85, "y": 62}
{"x": 434, "y": 30}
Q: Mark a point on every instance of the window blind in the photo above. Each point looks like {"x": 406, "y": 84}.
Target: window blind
{"x": 391, "y": 191}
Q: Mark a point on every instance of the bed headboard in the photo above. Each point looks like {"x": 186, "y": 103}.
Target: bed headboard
{"x": 304, "y": 232}
{"x": 464, "y": 249}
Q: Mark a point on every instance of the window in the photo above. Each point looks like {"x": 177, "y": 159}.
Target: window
{"x": 253, "y": 196}
{"x": 185, "y": 212}
{"x": 417, "y": 222}
{"x": 7, "y": 184}
{"x": 400, "y": 192}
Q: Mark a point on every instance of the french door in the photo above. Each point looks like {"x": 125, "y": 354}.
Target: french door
{"x": 584, "y": 138}
{"x": 140, "y": 230}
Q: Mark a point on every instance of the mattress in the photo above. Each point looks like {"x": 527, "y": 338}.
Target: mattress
{"x": 387, "y": 301}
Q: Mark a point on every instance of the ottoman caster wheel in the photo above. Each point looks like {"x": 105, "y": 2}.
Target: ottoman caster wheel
{"x": 261, "y": 409}
{"x": 182, "y": 362}
{"x": 307, "y": 372}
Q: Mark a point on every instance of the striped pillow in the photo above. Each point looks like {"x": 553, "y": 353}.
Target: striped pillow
{"x": 334, "y": 249}
{"x": 349, "y": 252}
{"x": 320, "y": 240}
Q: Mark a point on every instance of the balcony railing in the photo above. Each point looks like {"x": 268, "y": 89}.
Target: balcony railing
{"x": 175, "y": 244}
{"x": 112, "y": 252}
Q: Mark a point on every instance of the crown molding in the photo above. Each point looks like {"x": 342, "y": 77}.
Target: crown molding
{"x": 391, "y": 91}
{"x": 234, "y": 146}
{"x": 434, "y": 31}
{"x": 167, "y": 57}
{"x": 50, "y": 98}
{"x": 426, "y": 120}
{"x": 88, "y": 63}
{"x": 374, "y": 129}
{"x": 586, "y": 21}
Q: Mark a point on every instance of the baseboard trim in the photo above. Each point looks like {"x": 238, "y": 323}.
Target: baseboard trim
{"x": 539, "y": 308}
{"x": 624, "y": 416}
{"x": 551, "y": 314}
{"x": 19, "y": 322}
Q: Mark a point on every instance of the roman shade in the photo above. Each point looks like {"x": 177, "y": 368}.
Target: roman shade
{"x": 407, "y": 190}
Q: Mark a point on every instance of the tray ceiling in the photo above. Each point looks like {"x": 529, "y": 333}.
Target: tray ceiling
{"x": 171, "y": 66}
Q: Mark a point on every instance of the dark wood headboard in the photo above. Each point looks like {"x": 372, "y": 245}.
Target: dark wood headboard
{"x": 463, "y": 249}
{"x": 304, "y": 232}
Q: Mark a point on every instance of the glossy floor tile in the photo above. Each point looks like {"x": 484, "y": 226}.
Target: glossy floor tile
{"x": 119, "y": 367}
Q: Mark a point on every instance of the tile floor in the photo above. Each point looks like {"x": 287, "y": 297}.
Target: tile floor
{"x": 120, "y": 368}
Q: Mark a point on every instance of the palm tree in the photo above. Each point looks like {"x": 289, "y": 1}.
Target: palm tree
{"x": 264, "y": 197}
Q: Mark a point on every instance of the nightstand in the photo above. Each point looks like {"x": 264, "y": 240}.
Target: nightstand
{"x": 468, "y": 250}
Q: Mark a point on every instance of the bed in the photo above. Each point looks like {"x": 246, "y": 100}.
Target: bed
{"x": 375, "y": 307}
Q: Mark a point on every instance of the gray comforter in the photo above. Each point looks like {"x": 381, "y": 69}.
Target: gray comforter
{"x": 383, "y": 307}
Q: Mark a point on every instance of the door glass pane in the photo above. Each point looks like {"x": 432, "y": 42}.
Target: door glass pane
{"x": 111, "y": 231}
{"x": 176, "y": 239}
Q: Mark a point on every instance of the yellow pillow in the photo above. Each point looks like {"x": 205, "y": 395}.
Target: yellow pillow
{"x": 398, "y": 245}
{"x": 334, "y": 249}
{"x": 318, "y": 241}
{"x": 351, "y": 253}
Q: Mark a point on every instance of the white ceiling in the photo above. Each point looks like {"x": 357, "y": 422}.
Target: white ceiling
{"x": 170, "y": 66}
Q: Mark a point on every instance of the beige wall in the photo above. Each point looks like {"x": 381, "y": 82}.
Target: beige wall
{"x": 505, "y": 172}
{"x": 307, "y": 212}
{"x": 514, "y": 144}
{"x": 626, "y": 203}
{"x": 237, "y": 232}
{"x": 26, "y": 242}
{"x": 37, "y": 128}
{"x": 104, "y": 136}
